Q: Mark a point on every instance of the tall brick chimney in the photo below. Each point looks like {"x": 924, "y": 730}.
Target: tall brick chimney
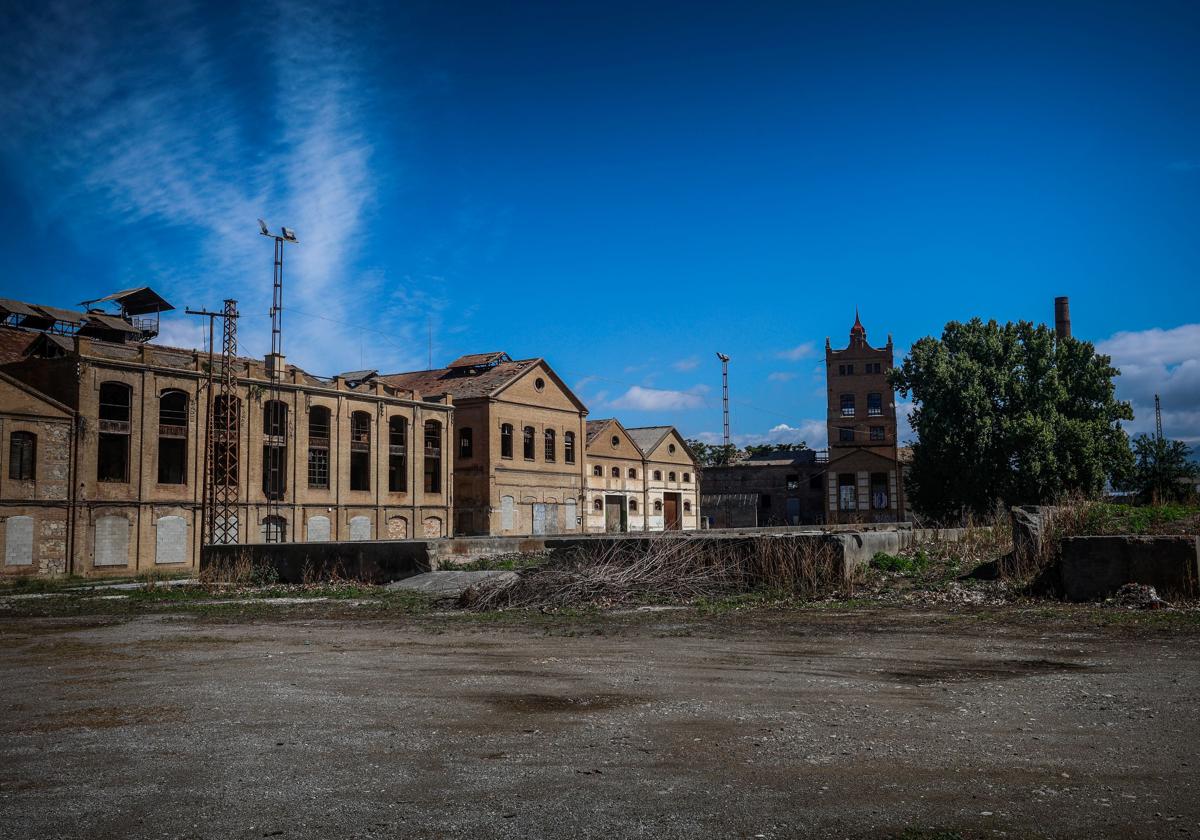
{"x": 1062, "y": 317}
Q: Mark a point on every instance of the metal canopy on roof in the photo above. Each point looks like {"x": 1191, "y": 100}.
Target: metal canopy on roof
{"x": 358, "y": 375}
{"x": 139, "y": 301}
{"x": 112, "y": 322}
{"x": 16, "y": 307}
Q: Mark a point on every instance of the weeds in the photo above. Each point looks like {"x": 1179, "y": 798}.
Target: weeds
{"x": 900, "y": 564}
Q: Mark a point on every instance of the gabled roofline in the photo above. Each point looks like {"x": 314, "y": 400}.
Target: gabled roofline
{"x": 495, "y": 393}
{"x": 35, "y": 393}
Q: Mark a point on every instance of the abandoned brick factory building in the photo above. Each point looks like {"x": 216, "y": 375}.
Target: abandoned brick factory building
{"x": 858, "y": 479}
{"x": 104, "y": 466}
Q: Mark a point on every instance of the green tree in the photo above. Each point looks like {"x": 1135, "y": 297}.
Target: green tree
{"x": 712, "y": 454}
{"x": 1161, "y": 469}
{"x": 762, "y": 448}
{"x": 1009, "y": 414}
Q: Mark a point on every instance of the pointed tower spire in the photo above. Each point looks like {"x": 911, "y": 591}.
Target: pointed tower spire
{"x": 858, "y": 330}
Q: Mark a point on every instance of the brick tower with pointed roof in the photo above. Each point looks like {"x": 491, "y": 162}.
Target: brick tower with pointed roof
{"x": 864, "y": 479}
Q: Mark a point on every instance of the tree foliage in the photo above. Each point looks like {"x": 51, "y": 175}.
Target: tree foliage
{"x": 1009, "y": 414}
{"x": 719, "y": 455}
{"x": 1161, "y": 469}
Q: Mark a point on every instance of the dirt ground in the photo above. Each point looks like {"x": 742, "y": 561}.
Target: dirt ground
{"x": 827, "y": 723}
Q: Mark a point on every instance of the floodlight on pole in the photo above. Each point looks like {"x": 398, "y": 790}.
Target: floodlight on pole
{"x": 725, "y": 395}
{"x": 275, "y": 483}
{"x": 263, "y": 229}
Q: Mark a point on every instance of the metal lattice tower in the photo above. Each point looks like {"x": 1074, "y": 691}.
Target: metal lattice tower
{"x": 1157, "y": 418}
{"x": 725, "y": 395}
{"x": 225, "y": 418}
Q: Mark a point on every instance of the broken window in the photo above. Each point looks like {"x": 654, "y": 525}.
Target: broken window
{"x": 793, "y": 482}
{"x": 398, "y": 455}
{"x": 877, "y": 433}
{"x": 687, "y": 477}
{"x": 597, "y": 470}
{"x": 687, "y": 507}
{"x": 879, "y": 491}
{"x": 527, "y": 443}
{"x": 632, "y": 472}
{"x": 274, "y": 481}
{"x": 466, "y": 443}
{"x": 433, "y": 456}
{"x": 658, "y": 505}
{"x": 506, "y": 440}
{"x": 551, "y": 451}
{"x": 318, "y": 447}
{"x": 846, "y": 434}
{"x": 874, "y": 405}
{"x": 633, "y": 505}
{"x": 847, "y": 494}
{"x": 847, "y": 405}
{"x": 658, "y": 475}
{"x": 274, "y": 529}
{"x": 616, "y": 472}
{"x": 227, "y": 413}
{"x": 360, "y": 451}
{"x": 598, "y": 505}
{"x": 172, "y": 437}
{"x": 670, "y": 476}
{"x": 22, "y": 456}
{"x": 112, "y": 457}
{"x": 569, "y": 447}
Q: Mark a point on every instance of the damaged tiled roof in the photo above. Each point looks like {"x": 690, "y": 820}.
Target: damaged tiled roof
{"x": 595, "y": 427}
{"x": 462, "y": 383}
{"x": 14, "y": 343}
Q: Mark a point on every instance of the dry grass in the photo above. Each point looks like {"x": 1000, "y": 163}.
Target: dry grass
{"x": 668, "y": 568}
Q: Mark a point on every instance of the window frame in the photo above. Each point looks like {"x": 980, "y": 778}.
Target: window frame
{"x": 506, "y": 441}
{"x": 22, "y": 466}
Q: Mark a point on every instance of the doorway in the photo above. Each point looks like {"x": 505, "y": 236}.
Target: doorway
{"x": 615, "y": 518}
{"x": 671, "y": 506}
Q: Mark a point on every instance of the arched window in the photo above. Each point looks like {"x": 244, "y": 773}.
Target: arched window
{"x": 274, "y": 483}
{"x": 633, "y": 505}
{"x": 658, "y": 505}
{"x": 687, "y": 477}
{"x": 360, "y": 451}
{"x": 318, "y": 447}
{"x": 598, "y": 471}
{"x": 670, "y": 476}
{"x": 671, "y": 448}
{"x": 274, "y": 529}
{"x": 551, "y": 451}
{"x": 506, "y": 440}
{"x": 227, "y": 418}
{"x": 598, "y": 505}
{"x": 22, "y": 456}
{"x": 398, "y": 454}
{"x": 632, "y": 472}
{"x": 569, "y": 447}
{"x": 615, "y": 440}
{"x": 433, "y": 456}
{"x": 528, "y": 443}
{"x": 687, "y": 506}
{"x": 658, "y": 475}
{"x": 172, "y": 437}
{"x": 112, "y": 457}
{"x": 616, "y": 472}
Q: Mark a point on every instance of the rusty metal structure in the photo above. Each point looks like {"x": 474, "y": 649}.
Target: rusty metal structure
{"x": 225, "y": 419}
{"x": 275, "y": 415}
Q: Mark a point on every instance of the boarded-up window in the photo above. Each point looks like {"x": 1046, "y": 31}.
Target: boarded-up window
{"x": 397, "y": 528}
{"x": 433, "y": 527}
{"x": 571, "y": 516}
{"x": 22, "y": 456}
{"x": 223, "y": 535}
{"x": 18, "y": 541}
{"x": 112, "y": 541}
{"x": 170, "y": 540}
{"x": 273, "y": 529}
{"x": 318, "y": 529}
{"x": 360, "y": 528}
{"x": 507, "y": 513}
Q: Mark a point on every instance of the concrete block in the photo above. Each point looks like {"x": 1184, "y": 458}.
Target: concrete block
{"x": 1095, "y": 567}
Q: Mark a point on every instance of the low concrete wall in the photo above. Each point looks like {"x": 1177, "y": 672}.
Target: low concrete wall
{"x": 371, "y": 561}
{"x": 1095, "y": 567}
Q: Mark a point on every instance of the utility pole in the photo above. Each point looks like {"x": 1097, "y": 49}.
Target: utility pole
{"x": 725, "y": 397}
{"x": 275, "y": 436}
{"x": 218, "y": 502}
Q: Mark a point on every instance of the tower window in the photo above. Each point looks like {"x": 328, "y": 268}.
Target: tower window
{"x": 877, "y": 433}
{"x": 847, "y": 405}
{"x": 874, "y": 405}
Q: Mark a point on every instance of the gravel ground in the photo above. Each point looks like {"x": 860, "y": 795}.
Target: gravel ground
{"x": 824, "y": 723}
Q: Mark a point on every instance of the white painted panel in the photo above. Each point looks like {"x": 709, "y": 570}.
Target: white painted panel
{"x": 318, "y": 529}
{"x": 112, "y": 541}
{"x": 232, "y": 537}
{"x": 360, "y": 528}
{"x": 170, "y": 540}
{"x": 570, "y": 520}
{"x": 18, "y": 541}
{"x": 507, "y": 513}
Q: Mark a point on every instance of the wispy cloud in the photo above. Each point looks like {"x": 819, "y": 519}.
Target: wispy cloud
{"x": 156, "y": 138}
{"x": 781, "y": 376}
{"x": 638, "y": 398}
{"x": 684, "y": 365}
{"x": 800, "y": 351}
{"x": 1162, "y": 362}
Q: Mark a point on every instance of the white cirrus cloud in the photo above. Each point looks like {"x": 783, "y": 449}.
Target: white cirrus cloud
{"x": 690, "y": 363}
{"x": 781, "y": 376}
{"x": 638, "y": 398}
{"x": 1165, "y": 362}
{"x": 800, "y": 351}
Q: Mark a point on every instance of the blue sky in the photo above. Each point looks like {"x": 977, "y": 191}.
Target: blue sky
{"x": 621, "y": 188}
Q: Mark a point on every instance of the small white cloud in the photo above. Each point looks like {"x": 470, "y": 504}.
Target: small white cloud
{"x": 1162, "y": 362}
{"x": 781, "y": 376}
{"x": 800, "y": 351}
{"x": 690, "y": 363}
{"x": 638, "y": 398}
{"x": 810, "y": 431}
